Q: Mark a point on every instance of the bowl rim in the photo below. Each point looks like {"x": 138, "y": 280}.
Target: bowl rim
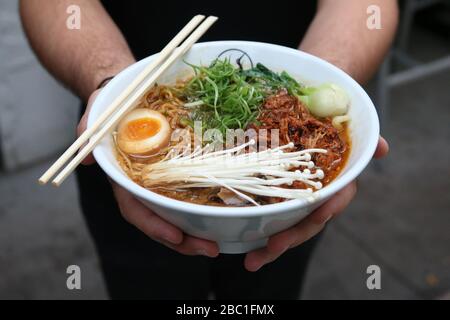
{"x": 340, "y": 182}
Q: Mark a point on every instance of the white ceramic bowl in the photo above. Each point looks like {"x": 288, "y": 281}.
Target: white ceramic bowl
{"x": 238, "y": 230}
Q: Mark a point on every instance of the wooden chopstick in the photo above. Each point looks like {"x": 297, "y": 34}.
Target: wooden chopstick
{"x": 139, "y": 92}
{"x": 86, "y": 135}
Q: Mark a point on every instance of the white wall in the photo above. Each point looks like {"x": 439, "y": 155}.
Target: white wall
{"x": 37, "y": 116}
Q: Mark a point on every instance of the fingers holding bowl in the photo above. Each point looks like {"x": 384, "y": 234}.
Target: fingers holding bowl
{"x": 281, "y": 242}
{"x": 82, "y": 125}
{"x": 382, "y": 148}
{"x": 145, "y": 220}
{"x": 193, "y": 246}
{"x": 312, "y": 225}
{"x": 134, "y": 212}
{"x": 302, "y": 232}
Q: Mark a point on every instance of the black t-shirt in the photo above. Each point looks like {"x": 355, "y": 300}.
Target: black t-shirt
{"x": 149, "y": 25}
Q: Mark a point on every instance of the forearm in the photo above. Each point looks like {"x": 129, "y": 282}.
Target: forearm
{"x": 339, "y": 34}
{"x": 79, "y": 58}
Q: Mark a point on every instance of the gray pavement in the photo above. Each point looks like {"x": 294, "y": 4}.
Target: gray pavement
{"x": 400, "y": 219}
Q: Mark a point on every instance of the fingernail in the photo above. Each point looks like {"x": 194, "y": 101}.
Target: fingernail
{"x": 171, "y": 239}
{"x": 203, "y": 252}
{"x": 328, "y": 219}
{"x": 257, "y": 269}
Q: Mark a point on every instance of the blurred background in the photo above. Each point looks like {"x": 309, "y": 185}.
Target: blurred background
{"x": 399, "y": 221}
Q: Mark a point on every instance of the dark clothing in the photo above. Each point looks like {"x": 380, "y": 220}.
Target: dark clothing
{"x": 149, "y": 25}
{"x": 135, "y": 266}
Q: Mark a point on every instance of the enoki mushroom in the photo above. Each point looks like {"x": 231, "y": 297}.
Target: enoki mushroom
{"x": 261, "y": 173}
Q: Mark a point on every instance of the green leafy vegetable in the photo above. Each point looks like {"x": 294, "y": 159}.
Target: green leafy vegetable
{"x": 228, "y": 101}
{"x": 271, "y": 81}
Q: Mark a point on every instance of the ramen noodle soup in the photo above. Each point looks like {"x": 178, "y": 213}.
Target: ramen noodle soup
{"x": 233, "y": 137}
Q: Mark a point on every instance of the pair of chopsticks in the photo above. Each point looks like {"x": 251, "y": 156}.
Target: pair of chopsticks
{"x": 127, "y": 99}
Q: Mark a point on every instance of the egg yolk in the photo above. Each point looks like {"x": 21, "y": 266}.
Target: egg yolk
{"x": 143, "y": 128}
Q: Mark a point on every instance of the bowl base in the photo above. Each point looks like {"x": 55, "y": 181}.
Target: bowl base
{"x": 241, "y": 247}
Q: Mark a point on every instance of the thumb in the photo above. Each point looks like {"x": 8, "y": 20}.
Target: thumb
{"x": 82, "y": 125}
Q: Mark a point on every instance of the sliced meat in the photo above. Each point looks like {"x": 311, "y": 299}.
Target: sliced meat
{"x": 288, "y": 114}
{"x": 230, "y": 198}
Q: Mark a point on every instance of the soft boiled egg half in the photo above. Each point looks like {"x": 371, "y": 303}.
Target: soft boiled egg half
{"x": 143, "y": 132}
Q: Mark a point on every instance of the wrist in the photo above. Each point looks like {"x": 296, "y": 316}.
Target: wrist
{"x": 106, "y": 71}
{"x": 345, "y": 64}
{"x": 100, "y": 73}
{"x": 104, "y": 82}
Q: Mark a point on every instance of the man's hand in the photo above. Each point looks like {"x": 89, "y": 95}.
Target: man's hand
{"x": 310, "y": 226}
{"x": 148, "y": 222}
